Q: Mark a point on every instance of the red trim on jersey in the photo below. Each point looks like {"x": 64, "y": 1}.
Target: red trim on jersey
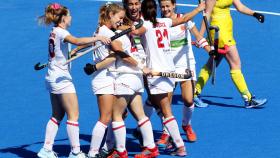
{"x": 141, "y": 124}
{"x": 118, "y": 127}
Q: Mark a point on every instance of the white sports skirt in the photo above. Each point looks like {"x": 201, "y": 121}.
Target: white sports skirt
{"x": 160, "y": 85}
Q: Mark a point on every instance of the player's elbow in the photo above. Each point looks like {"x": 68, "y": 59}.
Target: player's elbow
{"x": 240, "y": 8}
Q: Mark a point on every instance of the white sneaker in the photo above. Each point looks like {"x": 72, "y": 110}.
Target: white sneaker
{"x": 44, "y": 153}
{"x": 78, "y": 155}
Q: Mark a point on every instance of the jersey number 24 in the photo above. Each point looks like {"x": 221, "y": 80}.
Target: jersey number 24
{"x": 161, "y": 36}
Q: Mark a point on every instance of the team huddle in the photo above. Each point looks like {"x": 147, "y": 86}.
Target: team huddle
{"x": 154, "y": 56}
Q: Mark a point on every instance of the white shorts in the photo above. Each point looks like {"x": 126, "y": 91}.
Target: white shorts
{"x": 103, "y": 82}
{"x": 160, "y": 85}
{"x": 60, "y": 88}
{"x": 129, "y": 84}
{"x": 59, "y": 81}
{"x": 182, "y": 70}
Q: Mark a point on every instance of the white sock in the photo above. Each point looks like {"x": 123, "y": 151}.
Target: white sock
{"x": 148, "y": 108}
{"x": 110, "y": 138}
{"x": 120, "y": 135}
{"x": 146, "y": 130}
{"x": 97, "y": 136}
{"x": 172, "y": 127}
{"x": 187, "y": 115}
{"x": 73, "y": 134}
{"x": 51, "y": 131}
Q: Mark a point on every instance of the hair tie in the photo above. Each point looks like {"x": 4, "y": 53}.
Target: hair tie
{"x": 55, "y": 6}
{"x": 108, "y": 4}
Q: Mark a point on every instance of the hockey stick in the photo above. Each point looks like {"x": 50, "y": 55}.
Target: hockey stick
{"x": 186, "y": 75}
{"x": 216, "y": 43}
{"x": 99, "y": 45}
{"x": 213, "y": 69}
{"x": 39, "y": 66}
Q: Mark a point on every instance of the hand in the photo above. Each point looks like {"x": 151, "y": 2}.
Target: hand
{"x": 189, "y": 73}
{"x": 90, "y": 69}
{"x": 201, "y": 6}
{"x": 103, "y": 39}
{"x": 147, "y": 72}
{"x": 213, "y": 53}
{"x": 73, "y": 54}
{"x": 259, "y": 16}
{"x": 133, "y": 28}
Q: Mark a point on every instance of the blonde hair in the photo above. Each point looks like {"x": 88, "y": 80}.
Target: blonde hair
{"x": 105, "y": 10}
{"x": 53, "y": 14}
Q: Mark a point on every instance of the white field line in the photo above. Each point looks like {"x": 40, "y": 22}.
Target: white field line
{"x": 264, "y": 12}
{"x": 193, "y": 5}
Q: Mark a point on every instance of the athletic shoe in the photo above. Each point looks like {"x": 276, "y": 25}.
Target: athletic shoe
{"x": 181, "y": 151}
{"x": 92, "y": 156}
{"x": 254, "y": 102}
{"x": 117, "y": 154}
{"x": 102, "y": 154}
{"x": 199, "y": 103}
{"x": 78, "y": 155}
{"x": 191, "y": 136}
{"x": 148, "y": 153}
{"x": 44, "y": 153}
{"x": 163, "y": 141}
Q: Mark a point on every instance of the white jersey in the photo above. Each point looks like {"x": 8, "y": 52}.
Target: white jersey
{"x": 137, "y": 46}
{"x": 181, "y": 46}
{"x": 130, "y": 50}
{"x": 128, "y": 84}
{"x": 103, "y": 81}
{"x": 156, "y": 44}
{"x": 58, "y": 78}
{"x": 58, "y": 54}
{"x": 102, "y": 52}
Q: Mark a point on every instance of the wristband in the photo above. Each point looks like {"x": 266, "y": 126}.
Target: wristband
{"x": 202, "y": 43}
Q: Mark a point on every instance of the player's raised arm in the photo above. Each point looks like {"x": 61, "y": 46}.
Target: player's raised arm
{"x": 245, "y": 10}
{"x": 208, "y": 10}
{"x": 188, "y": 16}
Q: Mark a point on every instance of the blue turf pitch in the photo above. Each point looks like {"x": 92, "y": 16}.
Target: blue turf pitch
{"x": 225, "y": 129}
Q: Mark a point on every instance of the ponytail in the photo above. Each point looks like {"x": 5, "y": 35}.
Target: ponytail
{"x": 53, "y": 14}
{"x": 149, "y": 11}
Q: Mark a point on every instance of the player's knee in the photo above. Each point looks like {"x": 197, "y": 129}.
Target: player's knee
{"x": 58, "y": 117}
{"x": 188, "y": 103}
{"x": 105, "y": 119}
{"x": 73, "y": 117}
{"x": 188, "y": 100}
